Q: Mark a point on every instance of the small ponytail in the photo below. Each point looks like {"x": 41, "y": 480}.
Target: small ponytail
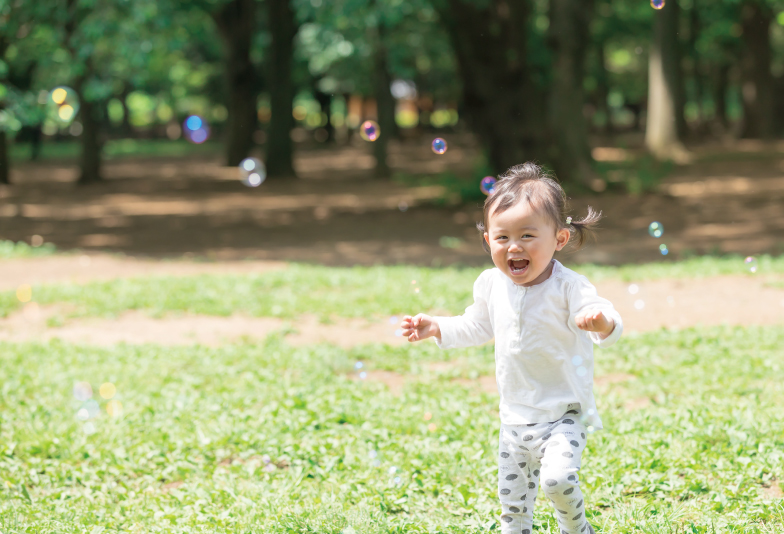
{"x": 585, "y": 228}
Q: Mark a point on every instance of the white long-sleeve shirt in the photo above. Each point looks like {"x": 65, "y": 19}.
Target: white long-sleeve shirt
{"x": 543, "y": 361}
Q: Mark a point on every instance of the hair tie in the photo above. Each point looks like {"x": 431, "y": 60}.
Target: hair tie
{"x": 568, "y": 220}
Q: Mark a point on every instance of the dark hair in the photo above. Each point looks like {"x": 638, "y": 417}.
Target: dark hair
{"x": 531, "y": 183}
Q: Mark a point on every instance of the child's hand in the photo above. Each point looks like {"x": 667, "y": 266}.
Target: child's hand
{"x": 420, "y": 327}
{"x": 595, "y": 321}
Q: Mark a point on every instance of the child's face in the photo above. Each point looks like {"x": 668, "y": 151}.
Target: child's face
{"x": 522, "y": 243}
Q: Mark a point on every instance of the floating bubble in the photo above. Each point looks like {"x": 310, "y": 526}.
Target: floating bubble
{"x": 639, "y": 304}
{"x": 82, "y": 414}
{"x": 36, "y": 241}
{"x": 358, "y": 366}
{"x": 392, "y": 470}
{"x": 751, "y": 263}
{"x": 393, "y": 319}
{"x": 581, "y": 371}
{"x": 373, "y": 454}
{"x": 63, "y": 104}
{"x": 369, "y": 131}
{"x": 402, "y": 205}
{"x": 438, "y": 145}
{"x": 92, "y": 408}
{"x": 24, "y": 293}
{"x": 413, "y": 282}
{"x": 114, "y": 408}
{"x": 656, "y": 229}
{"x": 397, "y": 480}
{"x": 428, "y": 416}
{"x": 196, "y": 129}
{"x": 363, "y": 375}
{"x": 89, "y": 428}
{"x": 487, "y": 185}
{"x": 266, "y": 458}
{"x": 398, "y": 332}
{"x": 83, "y": 391}
{"x": 577, "y": 360}
{"x": 663, "y": 249}
{"x": 107, "y": 390}
{"x": 634, "y": 289}
{"x": 432, "y": 427}
{"x": 657, "y": 4}
{"x": 252, "y": 172}
{"x": 416, "y": 290}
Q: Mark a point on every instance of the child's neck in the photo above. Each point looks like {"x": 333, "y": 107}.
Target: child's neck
{"x": 542, "y": 277}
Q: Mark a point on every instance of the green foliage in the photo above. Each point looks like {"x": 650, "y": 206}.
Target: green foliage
{"x": 11, "y": 250}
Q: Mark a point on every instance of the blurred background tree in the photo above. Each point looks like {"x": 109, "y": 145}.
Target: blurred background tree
{"x": 531, "y": 79}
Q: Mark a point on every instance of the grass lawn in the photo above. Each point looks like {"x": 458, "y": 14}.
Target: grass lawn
{"x": 271, "y": 438}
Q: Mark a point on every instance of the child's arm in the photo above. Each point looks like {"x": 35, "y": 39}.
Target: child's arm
{"x": 594, "y": 314}
{"x": 471, "y": 328}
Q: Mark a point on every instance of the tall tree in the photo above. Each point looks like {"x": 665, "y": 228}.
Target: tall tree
{"x": 283, "y": 28}
{"x": 504, "y": 106}
{"x": 757, "y": 81}
{"x": 236, "y": 22}
{"x": 665, "y": 87}
{"x": 385, "y": 102}
{"x": 569, "y": 38}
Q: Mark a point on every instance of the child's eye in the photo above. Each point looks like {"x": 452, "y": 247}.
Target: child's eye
{"x": 500, "y": 237}
{"x": 527, "y": 235}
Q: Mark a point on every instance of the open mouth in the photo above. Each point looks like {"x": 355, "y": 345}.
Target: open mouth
{"x": 518, "y": 267}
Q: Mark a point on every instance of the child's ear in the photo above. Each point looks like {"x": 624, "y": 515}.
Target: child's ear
{"x": 562, "y": 238}
{"x": 487, "y": 238}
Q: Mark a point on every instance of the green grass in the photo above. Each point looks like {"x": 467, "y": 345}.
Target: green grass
{"x": 328, "y": 292}
{"x": 10, "y": 250}
{"x": 188, "y": 453}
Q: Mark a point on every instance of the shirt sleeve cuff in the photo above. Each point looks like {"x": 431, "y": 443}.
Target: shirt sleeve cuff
{"x": 614, "y": 336}
{"x": 447, "y": 337}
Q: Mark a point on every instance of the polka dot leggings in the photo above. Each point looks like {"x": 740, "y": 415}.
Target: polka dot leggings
{"x": 549, "y": 452}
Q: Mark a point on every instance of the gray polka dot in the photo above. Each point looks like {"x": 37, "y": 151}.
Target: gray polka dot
{"x": 524, "y": 448}
{"x": 575, "y": 518}
{"x": 568, "y": 454}
{"x": 571, "y": 477}
{"x": 504, "y": 455}
{"x": 584, "y": 526}
{"x": 569, "y": 491}
{"x": 562, "y": 512}
{"x": 528, "y": 437}
{"x": 582, "y": 435}
{"x": 525, "y": 509}
{"x": 579, "y": 504}
{"x": 575, "y": 443}
{"x": 546, "y": 437}
{"x": 567, "y": 422}
{"x": 536, "y": 472}
{"x": 531, "y": 424}
{"x": 511, "y": 477}
{"x": 514, "y": 433}
{"x": 543, "y": 449}
{"x": 506, "y": 518}
{"x": 516, "y": 510}
{"x": 551, "y": 482}
{"x": 531, "y": 485}
{"x": 521, "y": 464}
{"x": 526, "y": 531}
{"x": 572, "y": 411}
{"x": 505, "y": 491}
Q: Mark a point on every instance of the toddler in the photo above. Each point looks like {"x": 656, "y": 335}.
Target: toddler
{"x": 545, "y": 319}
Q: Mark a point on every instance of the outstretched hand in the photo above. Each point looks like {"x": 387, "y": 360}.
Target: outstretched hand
{"x": 595, "y": 321}
{"x": 420, "y": 327}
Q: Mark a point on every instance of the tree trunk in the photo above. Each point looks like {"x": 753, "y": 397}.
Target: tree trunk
{"x": 92, "y": 145}
{"x": 5, "y": 165}
{"x": 236, "y": 24}
{"x": 279, "y": 145}
{"x": 569, "y": 34}
{"x": 603, "y": 90}
{"x": 662, "y": 134}
{"x": 503, "y": 105}
{"x": 325, "y": 103}
{"x": 720, "y": 94}
{"x": 758, "y": 93}
{"x": 385, "y": 105}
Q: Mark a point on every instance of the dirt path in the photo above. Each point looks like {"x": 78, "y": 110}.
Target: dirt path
{"x": 727, "y": 300}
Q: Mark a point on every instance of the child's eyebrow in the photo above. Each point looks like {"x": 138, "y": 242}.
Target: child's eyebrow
{"x": 521, "y": 228}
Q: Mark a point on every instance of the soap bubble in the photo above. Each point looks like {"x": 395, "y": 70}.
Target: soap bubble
{"x": 634, "y": 289}
{"x": 392, "y": 470}
{"x": 663, "y": 249}
{"x": 577, "y": 360}
{"x": 487, "y": 185}
{"x": 373, "y": 454}
{"x": 428, "y": 416}
{"x": 369, "y": 131}
{"x": 114, "y": 408}
{"x": 397, "y": 480}
{"x": 24, "y": 293}
{"x": 196, "y": 129}
{"x": 89, "y": 428}
{"x": 82, "y": 414}
{"x": 438, "y": 145}
{"x": 581, "y": 371}
{"x": 402, "y": 205}
{"x": 639, "y": 304}
{"x": 63, "y": 104}
{"x": 656, "y": 229}
{"x": 399, "y": 332}
{"x": 107, "y": 390}
{"x": 362, "y": 375}
{"x": 657, "y": 4}
{"x": 252, "y": 172}
{"x": 358, "y": 366}
{"x": 432, "y": 427}
{"x": 82, "y": 391}
{"x": 751, "y": 263}
{"x": 92, "y": 408}
{"x": 393, "y": 319}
